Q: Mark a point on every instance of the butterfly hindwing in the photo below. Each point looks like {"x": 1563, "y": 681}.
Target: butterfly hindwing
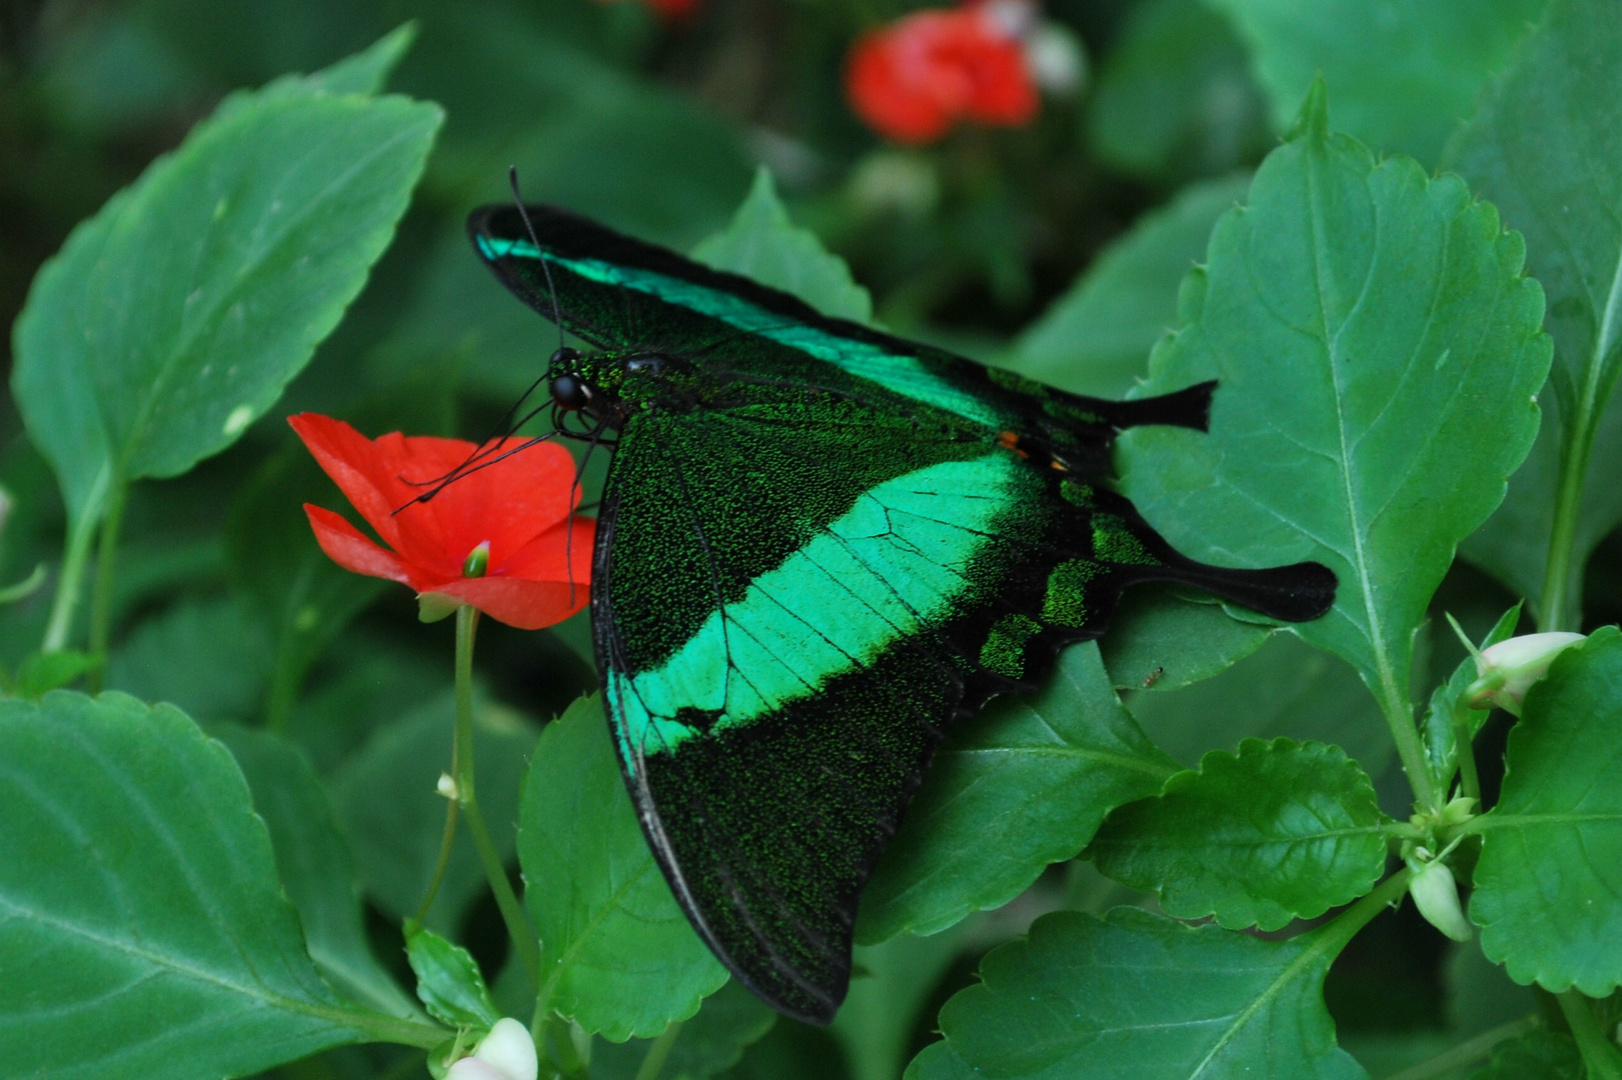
{"x": 818, "y": 546}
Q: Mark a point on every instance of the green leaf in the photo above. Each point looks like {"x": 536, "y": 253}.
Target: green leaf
{"x": 617, "y": 955}
{"x": 1175, "y": 95}
{"x": 142, "y": 925}
{"x": 367, "y": 70}
{"x": 1369, "y": 325}
{"x": 1447, "y": 702}
{"x": 729, "y": 1021}
{"x": 1551, "y": 856}
{"x": 1403, "y": 72}
{"x": 174, "y": 317}
{"x": 42, "y": 672}
{"x": 316, "y": 870}
{"x": 762, "y": 243}
{"x": 1095, "y": 339}
{"x": 1286, "y": 688}
{"x": 1022, "y": 785}
{"x": 202, "y": 654}
{"x": 1552, "y": 161}
{"x": 1136, "y": 996}
{"x": 1160, "y": 640}
{"x": 449, "y": 981}
{"x": 393, "y": 817}
{"x": 1280, "y": 831}
{"x": 1537, "y": 1055}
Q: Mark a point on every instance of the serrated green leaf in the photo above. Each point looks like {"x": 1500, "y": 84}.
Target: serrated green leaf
{"x": 1551, "y": 856}
{"x": 1551, "y": 160}
{"x": 763, "y": 244}
{"x": 1537, "y": 1055}
{"x": 142, "y": 929}
{"x": 1367, "y": 324}
{"x": 1285, "y": 688}
{"x": 449, "y": 981}
{"x": 1095, "y": 339}
{"x": 617, "y": 955}
{"x": 388, "y": 806}
{"x": 1280, "y": 831}
{"x": 1175, "y": 96}
{"x": 1402, "y": 71}
{"x": 315, "y": 867}
{"x": 1437, "y": 728}
{"x": 1137, "y": 996}
{"x": 1160, "y": 640}
{"x": 1022, "y": 785}
{"x": 173, "y": 318}
{"x": 729, "y": 1021}
{"x": 366, "y": 71}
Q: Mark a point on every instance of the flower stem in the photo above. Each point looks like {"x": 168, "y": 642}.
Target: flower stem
{"x": 524, "y": 941}
{"x": 446, "y": 840}
{"x": 1343, "y": 927}
{"x": 1469, "y": 780}
{"x": 1600, "y": 1055}
{"x": 1466, "y": 1053}
{"x": 69, "y": 584}
{"x": 658, "y": 1052}
{"x": 101, "y": 598}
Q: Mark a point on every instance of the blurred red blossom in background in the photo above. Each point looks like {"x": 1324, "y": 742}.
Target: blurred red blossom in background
{"x": 536, "y": 554}
{"x": 913, "y": 79}
{"x": 670, "y": 10}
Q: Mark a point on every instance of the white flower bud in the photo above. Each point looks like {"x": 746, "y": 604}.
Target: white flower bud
{"x": 1436, "y": 895}
{"x": 509, "y": 1050}
{"x": 1508, "y": 669}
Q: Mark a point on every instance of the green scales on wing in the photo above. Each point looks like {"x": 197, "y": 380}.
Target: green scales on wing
{"x": 818, "y": 546}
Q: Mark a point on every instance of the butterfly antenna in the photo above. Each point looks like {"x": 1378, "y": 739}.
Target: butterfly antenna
{"x": 460, "y": 471}
{"x": 546, "y": 266}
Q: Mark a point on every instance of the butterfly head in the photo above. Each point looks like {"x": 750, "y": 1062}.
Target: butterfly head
{"x": 607, "y": 386}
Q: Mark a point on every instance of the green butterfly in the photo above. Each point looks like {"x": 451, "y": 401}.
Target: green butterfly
{"x": 818, "y": 546}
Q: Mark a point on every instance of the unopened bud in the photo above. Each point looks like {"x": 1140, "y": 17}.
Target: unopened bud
{"x": 1508, "y": 669}
{"x": 447, "y": 787}
{"x": 1436, "y": 895}
{"x": 477, "y": 561}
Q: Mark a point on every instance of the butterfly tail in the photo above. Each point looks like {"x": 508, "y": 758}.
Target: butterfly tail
{"x": 1189, "y": 408}
{"x": 1296, "y": 593}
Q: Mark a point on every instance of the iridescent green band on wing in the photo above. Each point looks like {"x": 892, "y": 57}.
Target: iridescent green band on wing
{"x": 905, "y": 375}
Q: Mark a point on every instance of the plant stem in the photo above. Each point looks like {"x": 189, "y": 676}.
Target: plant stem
{"x": 69, "y": 584}
{"x": 1399, "y": 717}
{"x": 658, "y": 1052}
{"x": 1467, "y": 1052}
{"x": 446, "y": 839}
{"x": 1343, "y": 927}
{"x": 1600, "y": 1054}
{"x": 101, "y": 597}
{"x": 524, "y": 941}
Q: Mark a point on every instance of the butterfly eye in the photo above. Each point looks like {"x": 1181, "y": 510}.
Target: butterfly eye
{"x": 565, "y": 355}
{"x": 570, "y": 392}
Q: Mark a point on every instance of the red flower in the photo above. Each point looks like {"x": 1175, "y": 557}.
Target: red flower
{"x": 521, "y": 507}
{"x": 670, "y": 10}
{"x": 915, "y": 78}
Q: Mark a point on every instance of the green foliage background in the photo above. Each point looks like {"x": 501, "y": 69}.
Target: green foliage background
{"x": 1381, "y": 225}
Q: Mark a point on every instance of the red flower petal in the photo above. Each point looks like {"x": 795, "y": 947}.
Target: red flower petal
{"x": 528, "y": 605}
{"x": 345, "y": 545}
{"x": 910, "y": 81}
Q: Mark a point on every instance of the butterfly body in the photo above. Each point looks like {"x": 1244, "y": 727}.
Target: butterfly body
{"x": 818, "y": 546}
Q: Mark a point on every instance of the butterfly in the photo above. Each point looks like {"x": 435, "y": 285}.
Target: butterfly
{"x": 818, "y": 546}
